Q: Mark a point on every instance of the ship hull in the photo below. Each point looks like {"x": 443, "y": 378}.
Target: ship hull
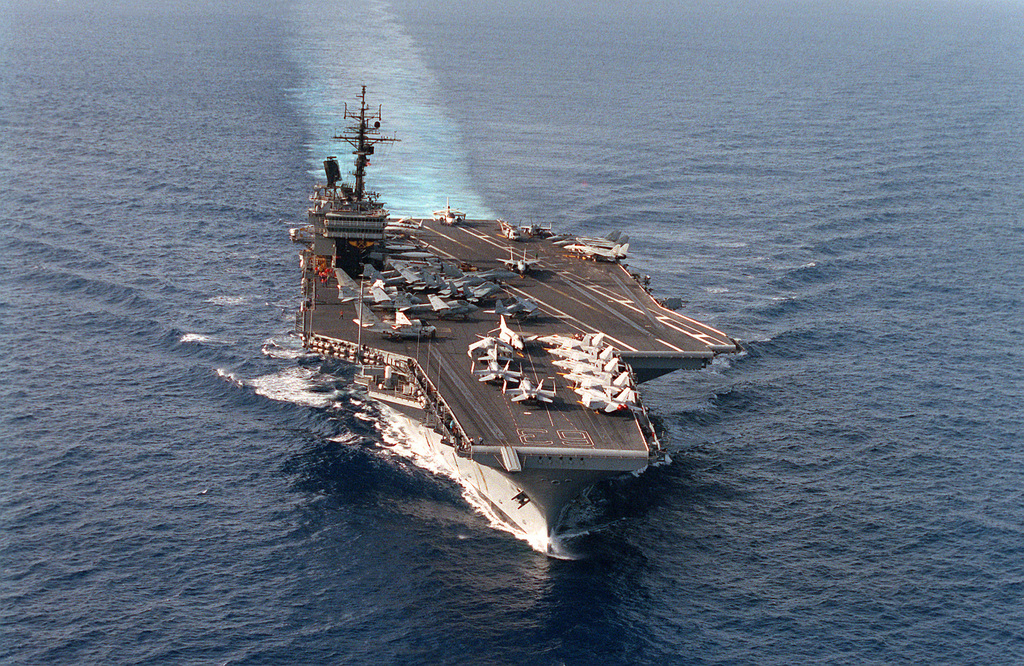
{"x": 529, "y": 503}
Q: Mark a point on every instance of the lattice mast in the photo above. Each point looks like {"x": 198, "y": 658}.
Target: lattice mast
{"x": 363, "y": 136}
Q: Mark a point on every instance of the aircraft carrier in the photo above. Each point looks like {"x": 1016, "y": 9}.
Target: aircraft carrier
{"x": 516, "y": 351}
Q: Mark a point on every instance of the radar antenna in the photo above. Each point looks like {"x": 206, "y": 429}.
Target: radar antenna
{"x": 363, "y": 136}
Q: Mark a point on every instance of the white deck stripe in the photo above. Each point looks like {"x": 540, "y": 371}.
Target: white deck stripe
{"x": 580, "y": 325}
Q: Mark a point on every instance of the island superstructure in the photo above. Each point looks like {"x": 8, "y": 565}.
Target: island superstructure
{"x": 517, "y": 352}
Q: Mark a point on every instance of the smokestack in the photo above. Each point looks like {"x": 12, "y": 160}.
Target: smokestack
{"x": 332, "y": 170}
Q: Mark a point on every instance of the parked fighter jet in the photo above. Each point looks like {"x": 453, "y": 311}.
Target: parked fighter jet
{"x": 371, "y": 274}
{"x": 403, "y": 224}
{"x": 586, "y": 355}
{"x": 450, "y": 270}
{"x": 599, "y": 379}
{"x": 450, "y": 309}
{"x": 412, "y": 275}
{"x": 380, "y": 297}
{"x": 521, "y": 265}
{"x": 615, "y": 253}
{"x": 488, "y": 344}
{"x": 610, "y": 240}
{"x": 536, "y": 230}
{"x": 613, "y": 247}
{"x": 510, "y": 337}
{"x": 495, "y": 371}
{"x": 418, "y": 276}
{"x": 482, "y": 292}
{"x": 608, "y": 400}
{"x": 346, "y": 292}
{"x": 520, "y": 308}
{"x": 511, "y": 232}
{"x": 448, "y": 216}
{"x": 496, "y": 354}
{"x": 591, "y": 366}
{"x": 566, "y": 342}
{"x": 404, "y": 328}
{"x": 527, "y": 392}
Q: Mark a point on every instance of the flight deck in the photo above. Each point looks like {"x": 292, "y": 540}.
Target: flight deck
{"x": 576, "y": 296}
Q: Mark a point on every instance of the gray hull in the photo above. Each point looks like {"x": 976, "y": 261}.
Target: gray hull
{"x": 528, "y": 503}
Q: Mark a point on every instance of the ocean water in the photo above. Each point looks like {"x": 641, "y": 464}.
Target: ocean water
{"x": 840, "y": 186}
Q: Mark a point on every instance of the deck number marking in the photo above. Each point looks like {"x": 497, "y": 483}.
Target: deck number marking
{"x": 531, "y": 436}
{"x": 576, "y": 437}
{"x": 541, "y": 437}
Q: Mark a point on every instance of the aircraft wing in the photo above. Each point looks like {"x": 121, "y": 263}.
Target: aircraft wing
{"x": 438, "y": 303}
{"x": 367, "y": 319}
{"x": 346, "y": 293}
{"x": 409, "y": 275}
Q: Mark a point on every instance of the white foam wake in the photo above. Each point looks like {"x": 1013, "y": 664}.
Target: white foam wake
{"x": 228, "y": 300}
{"x": 287, "y": 349}
{"x": 202, "y": 339}
{"x": 410, "y": 440}
{"x": 295, "y": 385}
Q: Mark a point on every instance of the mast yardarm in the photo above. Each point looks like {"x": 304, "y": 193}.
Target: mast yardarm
{"x": 363, "y": 136}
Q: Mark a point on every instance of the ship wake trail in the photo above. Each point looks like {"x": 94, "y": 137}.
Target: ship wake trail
{"x": 331, "y": 50}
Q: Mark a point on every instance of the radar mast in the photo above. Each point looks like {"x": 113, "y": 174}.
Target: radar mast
{"x": 363, "y": 136}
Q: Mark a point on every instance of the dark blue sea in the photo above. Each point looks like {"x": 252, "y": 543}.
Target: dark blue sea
{"x": 838, "y": 185}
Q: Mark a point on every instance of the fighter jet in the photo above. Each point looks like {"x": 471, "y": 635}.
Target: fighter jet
{"x": 615, "y": 253}
{"x": 485, "y": 346}
{"x": 417, "y": 255}
{"x": 346, "y": 292}
{"x": 448, "y": 216}
{"x": 468, "y": 280}
{"x": 588, "y": 366}
{"x": 612, "y": 247}
{"x": 496, "y": 274}
{"x": 520, "y": 308}
{"x": 537, "y": 230}
{"x": 527, "y": 392}
{"x": 451, "y": 309}
{"x": 586, "y": 355}
{"x": 522, "y": 265}
{"x": 510, "y": 337}
{"x": 608, "y": 400}
{"x": 403, "y": 224}
{"x": 556, "y": 340}
{"x": 599, "y": 379}
{"x": 511, "y": 232}
{"x": 495, "y": 371}
{"x": 567, "y": 342}
{"x": 412, "y": 275}
{"x": 380, "y": 297}
{"x": 496, "y": 354}
{"x": 608, "y": 241}
{"x": 404, "y": 328}
{"x": 450, "y": 270}
{"x": 371, "y": 274}
{"x": 378, "y": 294}
{"x": 482, "y": 291}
